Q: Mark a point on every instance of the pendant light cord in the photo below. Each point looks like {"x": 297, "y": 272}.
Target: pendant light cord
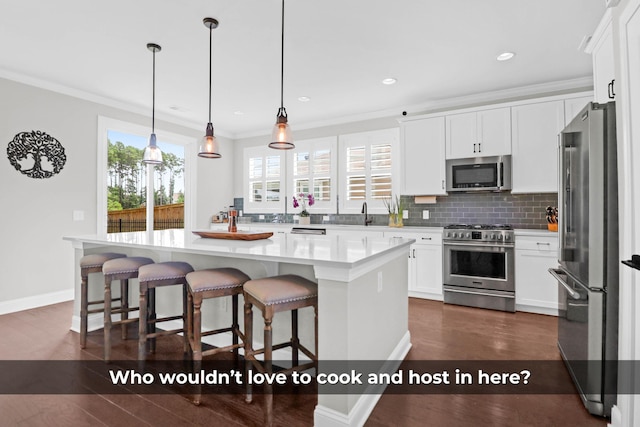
{"x": 153, "y": 110}
{"x": 282, "y": 61}
{"x": 210, "y": 73}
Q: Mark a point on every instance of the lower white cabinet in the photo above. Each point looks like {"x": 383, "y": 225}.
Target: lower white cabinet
{"x": 425, "y": 263}
{"x": 536, "y": 289}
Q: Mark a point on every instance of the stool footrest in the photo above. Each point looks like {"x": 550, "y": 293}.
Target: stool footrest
{"x": 164, "y": 319}
{"x": 101, "y": 301}
{"x": 217, "y": 331}
{"x": 217, "y": 350}
{"x": 163, "y": 333}
{"x": 125, "y": 321}
{"x": 119, "y": 310}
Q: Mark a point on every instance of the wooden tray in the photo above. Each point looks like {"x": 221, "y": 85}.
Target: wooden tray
{"x": 238, "y": 235}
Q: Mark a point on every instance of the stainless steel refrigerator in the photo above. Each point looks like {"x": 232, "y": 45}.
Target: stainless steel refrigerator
{"x": 588, "y": 255}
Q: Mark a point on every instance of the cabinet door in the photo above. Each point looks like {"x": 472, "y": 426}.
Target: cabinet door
{"x": 426, "y": 263}
{"x": 536, "y": 289}
{"x": 423, "y": 156}
{"x": 494, "y": 130}
{"x": 462, "y": 131}
{"x": 603, "y": 67}
{"x": 535, "y": 146}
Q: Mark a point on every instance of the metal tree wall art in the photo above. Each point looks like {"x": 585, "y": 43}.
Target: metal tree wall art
{"x": 36, "y": 154}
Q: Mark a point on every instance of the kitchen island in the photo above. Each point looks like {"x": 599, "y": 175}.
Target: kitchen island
{"x": 362, "y": 293}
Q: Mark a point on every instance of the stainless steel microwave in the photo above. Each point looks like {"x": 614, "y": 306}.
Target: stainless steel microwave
{"x": 479, "y": 174}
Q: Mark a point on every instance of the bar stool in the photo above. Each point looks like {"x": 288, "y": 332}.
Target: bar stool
{"x": 205, "y": 284}
{"x": 272, "y": 295}
{"x": 153, "y": 276}
{"x": 91, "y": 264}
{"x": 121, "y": 269}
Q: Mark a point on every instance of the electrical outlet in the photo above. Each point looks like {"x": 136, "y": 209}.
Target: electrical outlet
{"x": 425, "y": 214}
{"x": 379, "y": 281}
{"x": 78, "y": 215}
{"x": 405, "y": 214}
{"x": 260, "y": 216}
{"x": 326, "y": 218}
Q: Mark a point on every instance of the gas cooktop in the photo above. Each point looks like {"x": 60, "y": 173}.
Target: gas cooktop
{"x": 478, "y": 227}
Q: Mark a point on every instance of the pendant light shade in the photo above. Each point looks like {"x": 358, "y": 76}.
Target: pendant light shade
{"x": 281, "y": 137}
{"x": 209, "y": 147}
{"x": 152, "y": 154}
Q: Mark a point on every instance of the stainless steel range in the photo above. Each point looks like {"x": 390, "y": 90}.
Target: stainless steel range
{"x": 479, "y": 266}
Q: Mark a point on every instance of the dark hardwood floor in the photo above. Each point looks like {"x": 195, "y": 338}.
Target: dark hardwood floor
{"x": 438, "y": 332}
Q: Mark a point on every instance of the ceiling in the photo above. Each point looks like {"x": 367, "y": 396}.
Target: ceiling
{"x": 336, "y": 53}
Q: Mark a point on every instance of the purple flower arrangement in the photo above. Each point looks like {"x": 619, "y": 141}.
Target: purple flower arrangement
{"x": 302, "y": 199}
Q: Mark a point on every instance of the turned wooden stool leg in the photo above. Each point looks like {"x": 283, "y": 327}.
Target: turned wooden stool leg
{"x": 84, "y": 309}
{"x": 235, "y": 327}
{"x": 248, "y": 344}
{"x": 185, "y": 310}
{"x": 268, "y": 367}
{"x": 197, "y": 344}
{"x": 107, "y": 319}
{"x": 142, "y": 323}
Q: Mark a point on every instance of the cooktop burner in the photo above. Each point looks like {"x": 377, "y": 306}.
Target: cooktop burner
{"x": 478, "y": 227}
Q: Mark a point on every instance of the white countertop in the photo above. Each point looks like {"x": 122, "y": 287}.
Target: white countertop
{"x": 330, "y": 251}
{"x": 288, "y": 226}
{"x": 535, "y": 232}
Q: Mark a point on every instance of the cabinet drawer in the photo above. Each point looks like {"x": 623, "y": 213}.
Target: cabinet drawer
{"x": 534, "y": 243}
{"x": 421, "y": 238}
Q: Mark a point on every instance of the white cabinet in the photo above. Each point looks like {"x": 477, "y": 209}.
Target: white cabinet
{"x": 536, "y": 289}
{"x": 479, "y": 134}
{"x": 425, "y": 263}
{"x": 601, "y": 49}
{"x": 423, "y": 156}
{"x": 535, "y": 146}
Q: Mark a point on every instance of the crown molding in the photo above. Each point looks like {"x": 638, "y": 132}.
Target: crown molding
{"x": 580, "y": 84}
{"x": 103, "y": 100}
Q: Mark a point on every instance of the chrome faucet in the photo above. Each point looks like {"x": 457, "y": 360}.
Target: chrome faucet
{"x": 367, "y": 219}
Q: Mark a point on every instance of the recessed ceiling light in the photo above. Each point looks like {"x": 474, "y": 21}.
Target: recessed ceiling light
{"x": 505, "y": 56}
{"x": 389, "y": 81}
{"x": 304, "y": 99}
{"x": 238, "y": 113}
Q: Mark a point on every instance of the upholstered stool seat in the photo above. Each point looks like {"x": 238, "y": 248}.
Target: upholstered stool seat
{"x": 121, "y": 269}
{"x": 272, "y": 295}
{"x": 153, "y": 276}
{"x": 91, "y": 264}
{"x": 212, "y": 283}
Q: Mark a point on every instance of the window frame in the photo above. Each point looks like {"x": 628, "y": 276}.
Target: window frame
{"x": 311, "y": 146}
{"x": 190, "y": 169}
{"x": 264, "y": 206}
{"x": 367, "y": 140}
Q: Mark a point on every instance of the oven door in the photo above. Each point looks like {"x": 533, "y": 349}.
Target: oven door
{"x": 479, "y": 265}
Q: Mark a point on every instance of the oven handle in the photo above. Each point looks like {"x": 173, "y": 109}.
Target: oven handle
{"x": 558, "y": 276}
{"x": 481, "y": 245}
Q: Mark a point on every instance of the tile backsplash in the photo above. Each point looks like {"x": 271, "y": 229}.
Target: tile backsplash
{"x": 518, "y": 210}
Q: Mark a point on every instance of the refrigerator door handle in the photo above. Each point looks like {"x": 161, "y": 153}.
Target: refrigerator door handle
{"x": 558, "y": 276}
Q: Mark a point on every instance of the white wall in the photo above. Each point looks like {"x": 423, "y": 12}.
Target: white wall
{"x": 36, "y": 213}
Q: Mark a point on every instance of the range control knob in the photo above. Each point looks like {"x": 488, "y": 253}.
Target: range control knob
{"x": 468, "y": 235}
{"x": 493, "y": 237}
{"x": 455, "y": 235}
{"x": 507, "y": 237}
{"x": 499, "y": 236}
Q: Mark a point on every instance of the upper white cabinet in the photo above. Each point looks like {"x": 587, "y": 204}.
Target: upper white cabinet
{"x": 423, "y": 156}
{"x": 601, "y": 49}
{"x": 478, "y": 134}
{"x": 534, "y": 146}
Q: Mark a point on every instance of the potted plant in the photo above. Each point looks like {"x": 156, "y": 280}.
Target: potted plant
{"x": 302, "y": 199}
{"x": 389, "y": 204}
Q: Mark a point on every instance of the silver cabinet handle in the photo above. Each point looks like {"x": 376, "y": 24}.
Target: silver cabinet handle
{"x": 474, "y": 148}
{"x": 414, "y": 253}
{"x": 479, "y": 148}
{"x": 426, "y": 238}
{"x": 543, "y": 243}
{"x": 443, "y": 184}
{"x": 558, "y": 275}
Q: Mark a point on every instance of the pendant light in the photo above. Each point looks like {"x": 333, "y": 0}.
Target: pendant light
{"x": 209, "y": 144}
{"x": 281, "y": 137}
{"x": 152, "y": 154}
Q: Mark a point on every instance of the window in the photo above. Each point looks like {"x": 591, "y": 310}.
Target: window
{"x": 368, "y": 161}
{"x": 264, "y": 190}
{"x": 159, "y": 177}
{"x": 313, "y": 170}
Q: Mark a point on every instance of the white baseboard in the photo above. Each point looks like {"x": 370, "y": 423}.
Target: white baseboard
{"x": 537, "y": 309}
{"x": 358, "y": 415}
{"x": 36, "y": 301}
{"x": 616, "y": 417}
